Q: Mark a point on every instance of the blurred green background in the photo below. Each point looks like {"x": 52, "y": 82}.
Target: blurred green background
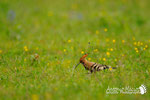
{"x": 41, "y": 41}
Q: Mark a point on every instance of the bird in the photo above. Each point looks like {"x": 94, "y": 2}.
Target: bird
{"x": 92, "y": 66}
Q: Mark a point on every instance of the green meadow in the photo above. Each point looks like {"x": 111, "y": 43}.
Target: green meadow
{"x": 42, "y": 40}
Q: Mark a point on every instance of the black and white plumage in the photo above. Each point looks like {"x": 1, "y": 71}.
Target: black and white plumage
{"x": 92, "y": 66}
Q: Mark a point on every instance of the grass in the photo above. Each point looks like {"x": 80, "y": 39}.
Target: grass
{"x": 60, "y": 32}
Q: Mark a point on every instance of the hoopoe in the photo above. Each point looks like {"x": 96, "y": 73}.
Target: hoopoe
{"x": 92, "y": 66}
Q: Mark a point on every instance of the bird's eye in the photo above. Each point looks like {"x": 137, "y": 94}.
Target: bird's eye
{"x": 82, "y": 62}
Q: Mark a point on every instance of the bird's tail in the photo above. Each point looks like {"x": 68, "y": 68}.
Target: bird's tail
{"x": 110, "y": 68}
{"x": 114, "y": 67}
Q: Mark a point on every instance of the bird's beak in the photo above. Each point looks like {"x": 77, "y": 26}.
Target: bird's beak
{"x": 76, "y": 65}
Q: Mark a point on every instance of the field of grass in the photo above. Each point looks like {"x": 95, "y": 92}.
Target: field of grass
{"x": 114, "y": 32}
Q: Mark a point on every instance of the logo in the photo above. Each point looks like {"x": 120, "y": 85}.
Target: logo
{"x": 126, "y": 90}
{"x": 142, "y": 89}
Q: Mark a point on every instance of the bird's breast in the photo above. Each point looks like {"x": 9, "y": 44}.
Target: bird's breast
{"x": 86, "y": 66}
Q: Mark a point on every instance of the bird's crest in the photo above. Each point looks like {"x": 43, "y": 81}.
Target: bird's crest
{"x": 84, "y": 56}
{"x": 81, "y": 59}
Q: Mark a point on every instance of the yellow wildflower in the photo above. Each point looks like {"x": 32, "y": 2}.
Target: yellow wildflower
{"x": 135, "y": 43}
{"x": 25, "y": 59}
{"x": 89, "y": 58}
{"x": 123, "y": 41}
{"x": 98, "y": 41}
{"x": 72, "y": 48}
{"x": 1, "y": 51}
{"x": 35, "y": 97}
{"x": 82, "y": 52}
{"x": 146, "y": 46}
{"x": 136, "y": 48}
{"x": 138, "y": 44}
{"x": 123, "y": 55}
{"x": 68, "y": 61}
{"x": 111, "y": 49}
{"x": 114, "y": 41}
{"x": 55, "y": 88}
{"x": 141, "y": 43}
{"x": 95, "y": 50}
{"x": 97, "y": 32}
{"x": 69, "y": 41}
{"x": 48, "y": 64}
{"x": 137, "y": 51}
{"x": 107, "y": 40}
{"x": 105, "y": 29}
{"x": 107, "y": 53}
{"x": 104, "y": 59}
{"x": 64, "y": 50}
{"x": 25, "y": 48}
{"x": 37, "y": 48}
{"x": 15, "y": 68}
{"x": 110, "y": 68}
{"x": 116, "y": 60}
{"x": 133, "y": 38}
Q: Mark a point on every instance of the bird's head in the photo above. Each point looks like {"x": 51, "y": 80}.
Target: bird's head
{"x": 82, "y": 60}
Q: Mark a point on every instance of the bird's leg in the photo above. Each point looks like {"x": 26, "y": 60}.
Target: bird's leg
{"x": 89, "y": 72}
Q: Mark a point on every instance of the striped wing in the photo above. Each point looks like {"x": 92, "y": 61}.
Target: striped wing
{"x": 98, "y": 67}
